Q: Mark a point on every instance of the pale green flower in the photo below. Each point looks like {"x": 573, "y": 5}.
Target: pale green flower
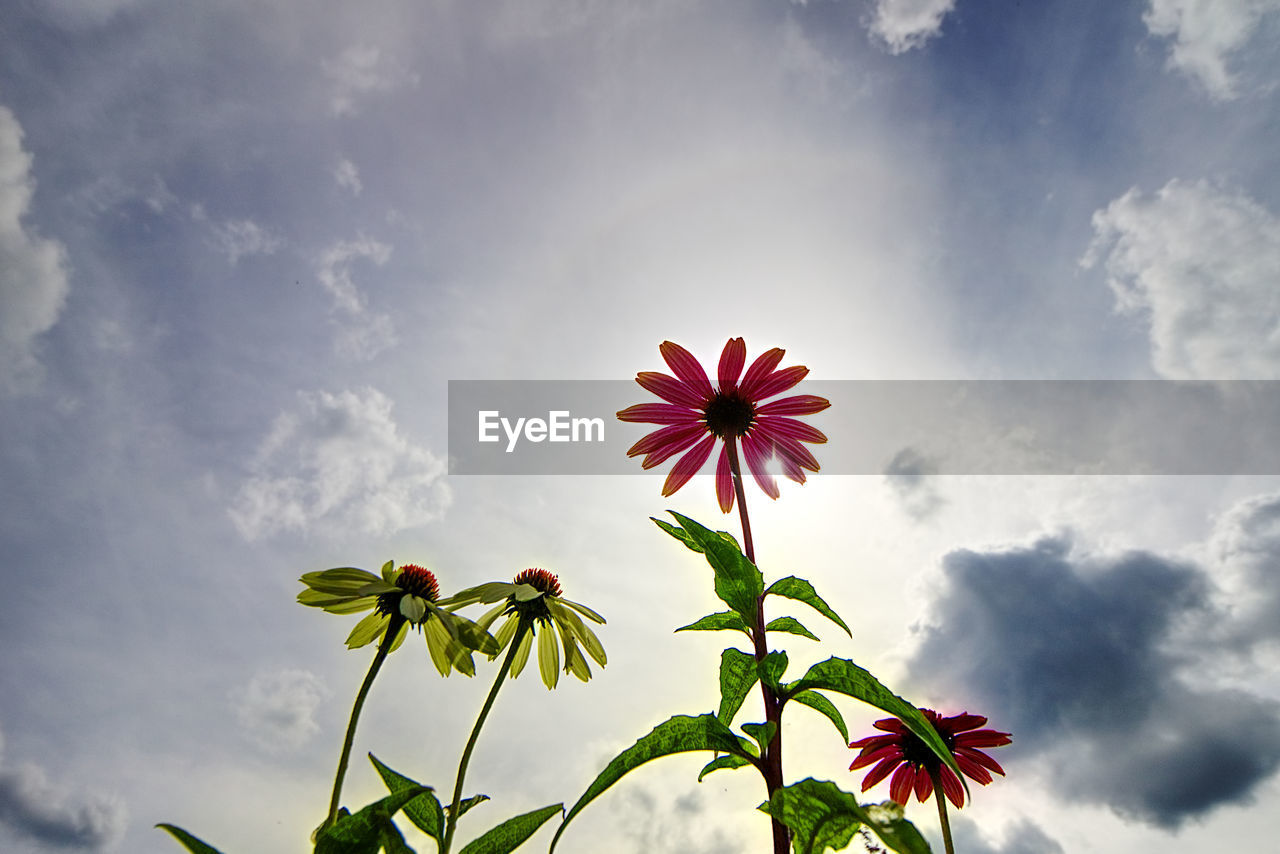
{"x": 534, "y": 599}
{"x": 410, "y": 594}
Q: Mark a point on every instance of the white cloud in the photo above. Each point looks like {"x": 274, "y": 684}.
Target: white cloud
{"x": 361, "y": 70}
{"x": 1206, "y": 33}
{"x": 362, "y": 333}
{"x": 339, "y": 460}
{"x": 1203, "y": 264}
{"x": 36, "y": 810}
{"x": 277, "y": 709}
{"x": 33, "y": 275}
{"x": 906, "y": 24}
{"x": 348, "y": 176}
{"x": 237, "y": 238}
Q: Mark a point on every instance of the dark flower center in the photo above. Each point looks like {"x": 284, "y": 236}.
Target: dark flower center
{"x": 729, "y": 414}
{"x": 540, "y": 580}
{"x": 918, "y": 753}
{"x": 418, "y": 580}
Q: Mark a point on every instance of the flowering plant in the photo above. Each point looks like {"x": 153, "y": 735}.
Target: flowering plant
{"x": 918, "y": 750}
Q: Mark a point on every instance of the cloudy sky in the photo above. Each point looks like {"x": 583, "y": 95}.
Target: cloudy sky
{"x": 245, "y": 246}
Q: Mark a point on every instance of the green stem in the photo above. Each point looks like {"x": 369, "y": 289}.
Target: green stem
{"x": 452, "y": 820}
{"x": 771, "y": 760}
{"x": 939, "y": 796}
{"x": 393, "y": 629}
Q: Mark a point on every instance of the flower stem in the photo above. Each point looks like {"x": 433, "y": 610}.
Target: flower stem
{"x": 749, "y": 549}
{"x": 393, "y": 629}
{"x": 942, "y": 810}
{"x": 451, "y": 821}
{"x": 772, "y": 754}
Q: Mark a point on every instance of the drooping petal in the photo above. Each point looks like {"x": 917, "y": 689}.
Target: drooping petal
{"x": 904, "y": 780}
{"x": 548, "y": 656}
{"x": 981, "y": 758}
{"x": 731, "y": 362}
{"x": 724, "y": 481}
{"x": 878, "y": 773}
{"x": 686, "y": 367}
{"x": 757, "y": 458}
{"x": 871, "y": 757}
{"x": 665, "y": 439}
{"x": 438, "y": 639}
{"x": 801, "y": 404}
{"x": 671, "y": 389}
{"x": 659, "y": 413}
{"x": 924, "y": 786}
{"x": 367, "y": 629}
{"x": 952, "y": 786}
{"x": 687, "y": 466}
{"x": 760, "y": 369}
{"x": 779, "y": 381}
{"x": 972, "y": 769}
{"x": 521, "y": 655}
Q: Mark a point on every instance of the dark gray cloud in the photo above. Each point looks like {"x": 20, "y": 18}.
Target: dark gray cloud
{"x": 1077, "y": 657}
{"x": 908, "y": 476}
{"x": 34, "y": 810}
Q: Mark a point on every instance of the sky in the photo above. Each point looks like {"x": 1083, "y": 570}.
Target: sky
{"x": 244, "y": 248}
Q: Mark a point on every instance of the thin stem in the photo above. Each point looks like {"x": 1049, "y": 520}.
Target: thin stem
{"x": 942, "y": 810}
{"x": 749, "y": 549}
{"x": 393, "y": 629}
{"x": 772, "y": 755}
{"x": 452, "y": 820}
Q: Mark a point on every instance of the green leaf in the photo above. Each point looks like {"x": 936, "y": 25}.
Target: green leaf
{"x": 819, "y": 703}
{"x": 845, "y": 677}
{"x": 772, "y": 668}
{"x": 789, "y": 624}
{"x": 195, "y": 846}
{"x": 722, "y": 762}
{"x": 799, "y": 589}
{"x": 363, "y": 832}
{"x": 424, "y": 811}
{"x": 678, "y": 533}
{"x": 738, "y": 674}
{"x": 392, "y": 840}
{"x": 762, "y": 733}
{"x": 512, "y": 833}
{"x": 737, "y": 581}
{"x": 680, "y": 734}
{"x": 716, "y": 622}
{"x": 822, "y": 817}
{"x": 467, "y": 803}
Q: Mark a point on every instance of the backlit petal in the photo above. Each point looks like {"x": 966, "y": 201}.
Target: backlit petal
{"x": 686, "y": 367}
{"x": 671, "y": 389}
{"x": 731, "y": 362}
{"x": 659, "y": 413}
{"x": 687, "y": 466}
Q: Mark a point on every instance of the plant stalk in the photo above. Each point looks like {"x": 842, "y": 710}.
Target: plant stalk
{"x": 451, "y": 821}
{"x": 393, "y": 629}
{"x": 772, "y": 758}
{"x": 940, "y": 797}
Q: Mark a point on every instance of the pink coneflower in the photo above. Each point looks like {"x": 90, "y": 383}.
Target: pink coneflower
{"x": 916, "y": 763}
{"x": 698, "y": 414}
